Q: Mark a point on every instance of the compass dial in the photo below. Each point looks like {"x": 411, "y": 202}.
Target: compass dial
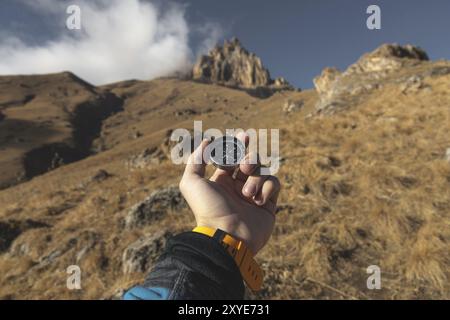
{"x": 227, "y": 152}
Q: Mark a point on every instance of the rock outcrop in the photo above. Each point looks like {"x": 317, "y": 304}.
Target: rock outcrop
{"x": 232, "y": 65}
{"x": 154, "y": 207}
{"x": 141, "y": 255}
{"x": 370, "y": 72}
{"x": 325, "y": 81}
{"x": 144, "y": 159}
{"x": 388, "y": 57}
{"x": 11, "y": 229}
{"x": 290, "y": 106}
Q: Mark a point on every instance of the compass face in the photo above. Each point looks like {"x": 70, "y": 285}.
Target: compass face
{"x": 227, "y": 152}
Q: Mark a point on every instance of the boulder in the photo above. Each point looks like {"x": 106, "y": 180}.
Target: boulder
{"x": 144, "y": 159}
{"x": 11, "y": 229}
{"x": 154, "y": 207}
{"x": 292, "y": 106}
{"x": 140, "y": 255}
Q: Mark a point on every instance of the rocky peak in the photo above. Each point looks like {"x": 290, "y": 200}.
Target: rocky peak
{"x": 371, "y": 71}
{"x": 389, "y": 57}
{"x": 398, "y": 51}
{"x": 232, "y": 65}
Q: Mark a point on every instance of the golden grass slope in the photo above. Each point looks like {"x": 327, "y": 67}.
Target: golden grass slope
{"x": 368, "y": 186}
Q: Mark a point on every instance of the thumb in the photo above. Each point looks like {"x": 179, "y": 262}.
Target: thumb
{"x": 196, "y": 165}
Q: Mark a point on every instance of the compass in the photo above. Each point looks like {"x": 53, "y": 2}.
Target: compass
{"x": 226, "y": 152}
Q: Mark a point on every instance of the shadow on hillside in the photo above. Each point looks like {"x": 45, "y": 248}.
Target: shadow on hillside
{"x": 87, "y": 123}
{"x": 33, "y": 137}
{"x": 88, "y": 119}
{"x": 18, "y": 133}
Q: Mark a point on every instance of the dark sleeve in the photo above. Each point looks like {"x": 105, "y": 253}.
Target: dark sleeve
{"x": 193, "y": 266}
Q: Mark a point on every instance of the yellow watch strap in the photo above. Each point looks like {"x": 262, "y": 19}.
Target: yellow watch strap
{"x": 251, "y": 272}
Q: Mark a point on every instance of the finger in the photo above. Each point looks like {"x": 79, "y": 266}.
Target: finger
{"x": 243, "y": 137}
{"x": 253, "y": 185}
{"x": 220, "y": 172}
{"x": 196, "y": 164}
{"x": 248, "y": 166}
{"x": 241, "y": 176}
{"x": 268, "y": 195}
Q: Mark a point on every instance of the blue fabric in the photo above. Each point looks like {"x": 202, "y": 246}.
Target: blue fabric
{"x": 142, "y": 293}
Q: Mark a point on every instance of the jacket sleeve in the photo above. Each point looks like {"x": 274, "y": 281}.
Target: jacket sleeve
{"x": 193, "y": 266}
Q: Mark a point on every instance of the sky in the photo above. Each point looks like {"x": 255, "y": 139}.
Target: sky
{"x": 144, "y": 39}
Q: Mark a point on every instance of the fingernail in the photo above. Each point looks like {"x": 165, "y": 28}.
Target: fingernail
{"x": 250, "y": 190}
{"x": 259, "y": 200}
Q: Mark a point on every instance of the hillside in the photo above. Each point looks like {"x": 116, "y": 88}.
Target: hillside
{"x": 47, "y": 121}
{"x": 364, "y": 172}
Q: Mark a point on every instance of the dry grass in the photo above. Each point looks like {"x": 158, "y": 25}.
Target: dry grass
{"x": 385, "y": 202}
{"x": 362, "y": 187}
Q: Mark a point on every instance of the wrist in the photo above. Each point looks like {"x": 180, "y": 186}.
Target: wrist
{"x": 230, "y": 229}
{"x": 241, "y": 254}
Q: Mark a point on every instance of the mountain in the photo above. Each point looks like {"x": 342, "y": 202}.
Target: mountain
{"x": 365, "y": 174}
{"x": 48, "y": 120}
{"x": 232, "y": 65}
{"x": 390, "y": 63}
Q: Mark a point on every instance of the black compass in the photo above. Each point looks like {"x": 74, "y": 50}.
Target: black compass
{"x": 227, "y": 152}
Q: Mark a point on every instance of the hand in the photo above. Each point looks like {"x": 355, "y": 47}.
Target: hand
{"x": 244, "y": 207}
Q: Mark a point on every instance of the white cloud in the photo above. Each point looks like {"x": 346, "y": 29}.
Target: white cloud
{"x": 119, "y": 40}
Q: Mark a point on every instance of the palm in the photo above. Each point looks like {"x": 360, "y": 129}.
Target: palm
{"x": 224, "y": 203}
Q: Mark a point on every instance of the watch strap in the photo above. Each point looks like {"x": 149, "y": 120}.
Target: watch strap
{"x": 251, "y": 272}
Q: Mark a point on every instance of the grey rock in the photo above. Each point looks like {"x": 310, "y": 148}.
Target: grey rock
{"x": 11, "y": 229}
{"x": 292, "y": 106}
{"x": 412, "y": 84}
{"x": 140, "y": 255}
{"x": 19, "y": 249}
{"x": 101, "y": 175}
{"x": 154, "y": 207}
{"x": 144, "y": 159}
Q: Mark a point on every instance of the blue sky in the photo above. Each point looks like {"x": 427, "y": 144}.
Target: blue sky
{"x": 295, "y": 39}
